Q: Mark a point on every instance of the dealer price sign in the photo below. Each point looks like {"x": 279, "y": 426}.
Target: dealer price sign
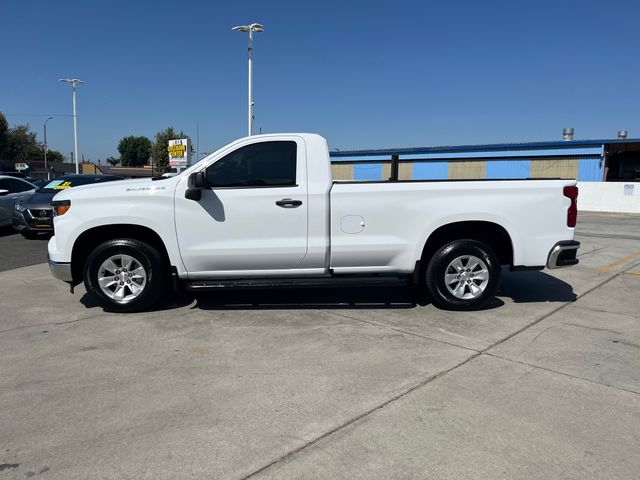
{"x": 179, "y": 152}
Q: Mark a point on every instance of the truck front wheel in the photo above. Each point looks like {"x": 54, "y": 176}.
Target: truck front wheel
{"x": 125, "y": 275}
{"x": 462, "y": 275}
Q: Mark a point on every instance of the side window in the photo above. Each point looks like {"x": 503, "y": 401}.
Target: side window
{"x": 22, "y": 186}
{"x": 14, "y": 186}
{"x": 266, "y": 164}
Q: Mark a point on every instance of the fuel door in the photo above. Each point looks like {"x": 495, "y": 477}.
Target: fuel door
{"x": 352, "y": 224}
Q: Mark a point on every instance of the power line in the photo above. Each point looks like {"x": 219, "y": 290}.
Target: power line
{"x": 37, "y": 115}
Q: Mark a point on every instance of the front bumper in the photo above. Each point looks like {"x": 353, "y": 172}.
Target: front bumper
{"x": 61, "y": 271}
{"x": 25, "y": 222}
{"x": 563, "y": 254}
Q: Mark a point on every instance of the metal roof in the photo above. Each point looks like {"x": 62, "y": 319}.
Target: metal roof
{"x": 495, "y": 147}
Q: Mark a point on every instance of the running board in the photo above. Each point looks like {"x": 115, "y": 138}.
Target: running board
{"x": 296, "y": 282}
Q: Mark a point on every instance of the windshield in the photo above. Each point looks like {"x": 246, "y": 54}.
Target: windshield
{"x": 64, "y": 183}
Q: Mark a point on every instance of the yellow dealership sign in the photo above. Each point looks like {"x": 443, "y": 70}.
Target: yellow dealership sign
{"x": 179, "y": 152}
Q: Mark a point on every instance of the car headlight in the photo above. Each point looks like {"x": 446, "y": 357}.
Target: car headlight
{"x": 20, "y": 207}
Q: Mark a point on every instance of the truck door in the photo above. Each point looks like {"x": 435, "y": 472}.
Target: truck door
{"x": 253, "y": 215}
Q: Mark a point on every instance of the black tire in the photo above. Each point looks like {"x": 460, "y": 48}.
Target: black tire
{"x": 146, "y": 256}
{"x": 29, "y": 235}
{"x": 435, "y": 275}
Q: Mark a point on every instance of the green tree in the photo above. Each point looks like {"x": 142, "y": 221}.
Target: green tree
{"x": 134, "y": 151}
{"x": 4, "y": 136}
{"x": 113, "y": 161}
{"x": 22, "y": 144}
{"x": 159, "y": 153}
{"x": 54, "y": 156}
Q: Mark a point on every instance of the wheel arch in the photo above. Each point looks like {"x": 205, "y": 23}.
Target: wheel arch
{"x": 88, "y": 240}
{"x": 490, "y": 233}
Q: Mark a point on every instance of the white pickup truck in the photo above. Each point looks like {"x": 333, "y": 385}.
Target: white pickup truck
{"x": 265, "y": 211}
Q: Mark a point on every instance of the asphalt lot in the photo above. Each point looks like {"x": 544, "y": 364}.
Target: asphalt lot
{"x": 16, "y": 251}
{"x": 345, "y": 383}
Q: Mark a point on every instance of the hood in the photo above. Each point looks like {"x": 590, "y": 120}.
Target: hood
{"x": 116, "y": 188}
{"x": 38, "y": 200}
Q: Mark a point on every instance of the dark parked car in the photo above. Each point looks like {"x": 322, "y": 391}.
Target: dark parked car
{"x": 34, "y": 214}
{"x": 38, "y": 182}
{"x": 12, "y": 190}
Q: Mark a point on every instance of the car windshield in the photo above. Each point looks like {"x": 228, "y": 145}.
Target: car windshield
{"x": 64, "y": 183}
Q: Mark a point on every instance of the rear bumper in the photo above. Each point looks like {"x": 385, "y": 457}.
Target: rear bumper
{"x": 563, "y": 254}
{"x": 61, "y": 271}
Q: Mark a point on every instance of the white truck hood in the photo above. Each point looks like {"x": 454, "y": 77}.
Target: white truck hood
{"x": 117, "y": 188}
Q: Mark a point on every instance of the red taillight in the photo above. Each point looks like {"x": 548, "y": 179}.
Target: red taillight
{"x": 572, "y": 213}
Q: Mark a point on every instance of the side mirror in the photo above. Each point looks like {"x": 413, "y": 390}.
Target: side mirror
{"x": 196, "y": 183}
{"x": 3, "y": 192}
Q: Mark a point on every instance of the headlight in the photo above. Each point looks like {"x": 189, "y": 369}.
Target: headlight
{"x": 20, "y": 207}
{"x": 60, "y": 207}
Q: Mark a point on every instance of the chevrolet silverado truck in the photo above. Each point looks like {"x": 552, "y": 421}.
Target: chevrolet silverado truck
{"x": 264, "y": 211}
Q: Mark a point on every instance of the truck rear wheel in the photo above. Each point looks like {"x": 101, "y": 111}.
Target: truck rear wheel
{"x": 125, "y": 275}
{"x": 462, "y": 275}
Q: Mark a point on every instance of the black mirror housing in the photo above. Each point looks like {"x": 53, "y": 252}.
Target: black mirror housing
{"x": 196, "y": 183}
{"x": 198, "y": 180}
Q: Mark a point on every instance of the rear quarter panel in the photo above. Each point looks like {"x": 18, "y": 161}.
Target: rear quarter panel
{"x": 398, "y": 218}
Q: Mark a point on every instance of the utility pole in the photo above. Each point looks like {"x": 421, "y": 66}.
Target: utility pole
{"x": 254, "y": 27}
{"x": 46, "y": 147}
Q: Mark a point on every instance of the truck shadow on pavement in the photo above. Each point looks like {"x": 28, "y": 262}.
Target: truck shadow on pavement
{"x": 534, "y": 287}
{"x": 521, "y": 287}
{"x": 396, "y": 297}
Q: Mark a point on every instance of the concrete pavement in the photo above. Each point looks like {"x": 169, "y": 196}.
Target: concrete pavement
{"x": 345, "y": 383}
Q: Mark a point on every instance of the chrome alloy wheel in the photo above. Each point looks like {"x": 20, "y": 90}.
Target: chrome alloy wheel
{"x": 466, "y": 277}
{"x": 122, "y": 278}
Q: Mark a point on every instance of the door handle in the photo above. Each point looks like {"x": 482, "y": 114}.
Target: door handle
{"x": 288, "y": 203}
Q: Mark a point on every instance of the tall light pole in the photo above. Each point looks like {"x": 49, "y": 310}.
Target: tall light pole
{"x": 46, "y": 147}
{"x": 254, "y": 27}
{"x": 74, "y": 85}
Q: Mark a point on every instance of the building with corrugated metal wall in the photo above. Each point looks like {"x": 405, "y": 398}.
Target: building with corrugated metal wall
{"x": 584, "y": 160}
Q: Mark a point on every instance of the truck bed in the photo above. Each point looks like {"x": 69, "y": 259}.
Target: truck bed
{"x": 394, "y": 218}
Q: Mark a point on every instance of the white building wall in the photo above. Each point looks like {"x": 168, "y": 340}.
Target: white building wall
{"x": 620, "y": 197}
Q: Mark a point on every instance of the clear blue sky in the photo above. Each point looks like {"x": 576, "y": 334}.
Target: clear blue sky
{"x": 362, "y": 73}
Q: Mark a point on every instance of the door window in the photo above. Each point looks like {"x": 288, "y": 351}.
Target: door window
{"x": 265, "y": 164}
{"x": 15, "y": 186}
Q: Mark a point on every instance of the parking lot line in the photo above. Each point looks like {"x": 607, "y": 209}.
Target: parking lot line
{"x": 617, "y": 263}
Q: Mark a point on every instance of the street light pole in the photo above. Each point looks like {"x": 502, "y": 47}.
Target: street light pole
{"x": 254, "y": 27}
{"x": 250, "y": 83}
{"x": 74, "y": 85}
{"x": 46, "y": 147}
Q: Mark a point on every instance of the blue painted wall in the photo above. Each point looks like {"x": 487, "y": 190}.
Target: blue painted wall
{"x": 590, "y": 170}
{"x": 430, "y": 171}
{"x": 508, "y": 168}
{"x": 367, "y": 171}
